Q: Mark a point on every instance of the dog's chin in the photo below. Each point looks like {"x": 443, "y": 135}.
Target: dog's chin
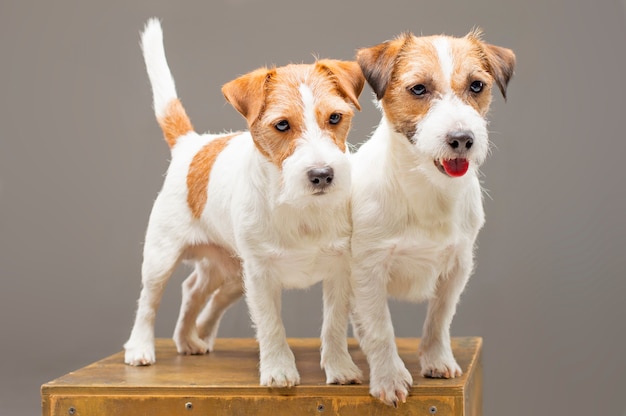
{"x": 327, "y": 192}
{"x": 328, "y": 196}
{"x": 453, "y": 168}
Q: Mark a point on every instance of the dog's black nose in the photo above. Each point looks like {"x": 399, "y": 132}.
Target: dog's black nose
{"x": 460, "y": 140}
{"x": 321, "y": 177}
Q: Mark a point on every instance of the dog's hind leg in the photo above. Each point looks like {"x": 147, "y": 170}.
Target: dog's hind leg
{"x": 161, "y": 255}
{"x": 196, "y": 288}
{"x": 209, "y": 319}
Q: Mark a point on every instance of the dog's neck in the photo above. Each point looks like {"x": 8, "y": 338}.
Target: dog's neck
{"x": 436, "y": 200}
{"x": 308, "y": 218}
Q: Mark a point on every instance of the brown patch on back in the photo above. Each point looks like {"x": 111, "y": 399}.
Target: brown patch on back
{"x": 175, "y": 123}
{"x": 200, "y": 171}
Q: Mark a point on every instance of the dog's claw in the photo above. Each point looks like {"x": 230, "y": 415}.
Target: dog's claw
{"x": 402, "y": 397}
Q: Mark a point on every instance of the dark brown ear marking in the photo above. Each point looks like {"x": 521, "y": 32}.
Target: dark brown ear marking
{"x": 377, "y": 62}
{"x": 502, "y": 65}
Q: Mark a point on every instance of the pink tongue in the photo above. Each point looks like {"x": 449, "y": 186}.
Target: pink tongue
{"x": 456, "y": 167}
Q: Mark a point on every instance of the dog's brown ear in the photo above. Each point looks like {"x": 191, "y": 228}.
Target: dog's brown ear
{"x": 377, "y": 62}
{"x": 348, "y": 75}
{"x": 247, "y": 93}
{"x": 501, "y": 65}
{"x": 500, "y": 61}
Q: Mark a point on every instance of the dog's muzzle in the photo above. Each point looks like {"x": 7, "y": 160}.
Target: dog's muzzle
{"x": 459, "y": 142}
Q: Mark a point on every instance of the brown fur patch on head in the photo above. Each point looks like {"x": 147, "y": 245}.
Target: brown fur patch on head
{"x": 334, "y": 87}
{"x": 393, "y": 68}
{"x": 415, "y": 64}
{"x": 200, "y": 171}
{"x": 498, "y": 61}
{"x": 347, "y": 76}
{"x": 469, "y": 67}
{"x": 378, "y": 62}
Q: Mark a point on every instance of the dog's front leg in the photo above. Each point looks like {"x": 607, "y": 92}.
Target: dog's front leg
{"x": 435, "y": 352}
{"x": 263, "y": 295}
{"x": 389, "y": 379}
{"x": 336, "y": 360}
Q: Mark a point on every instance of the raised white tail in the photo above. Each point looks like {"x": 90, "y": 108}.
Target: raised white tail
{"x": 167, "y": 107}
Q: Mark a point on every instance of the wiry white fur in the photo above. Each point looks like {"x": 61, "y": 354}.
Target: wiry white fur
{"x": 163, "y": 87}
{"x": 447, "y": 114}
{"x": 262, "y": 226}
{"x": 446, "y": 61}
{"x": 414, "y": 230}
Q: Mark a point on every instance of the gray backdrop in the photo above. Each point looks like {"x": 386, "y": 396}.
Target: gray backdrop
{"x": 82, "y": 159}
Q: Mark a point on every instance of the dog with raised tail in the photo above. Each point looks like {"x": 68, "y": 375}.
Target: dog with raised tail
{"x": 416, "y": 198}
{"x": 263, "y": 210}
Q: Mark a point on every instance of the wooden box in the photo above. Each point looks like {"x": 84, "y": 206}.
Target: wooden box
{"x": 225, "y": 382}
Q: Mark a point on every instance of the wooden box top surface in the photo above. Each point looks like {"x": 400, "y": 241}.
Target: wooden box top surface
{"x": 232, "y": 368}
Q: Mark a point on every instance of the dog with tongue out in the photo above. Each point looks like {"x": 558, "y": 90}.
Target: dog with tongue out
{"x": 416, "y": 198}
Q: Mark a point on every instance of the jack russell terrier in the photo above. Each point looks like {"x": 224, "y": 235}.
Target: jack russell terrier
{"x": 269, "y": 208}
{"x": 416, "y": 196}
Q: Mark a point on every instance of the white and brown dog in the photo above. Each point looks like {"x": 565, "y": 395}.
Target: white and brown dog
{"x": 417, "y": 203}
{"x": 269, "y": 207}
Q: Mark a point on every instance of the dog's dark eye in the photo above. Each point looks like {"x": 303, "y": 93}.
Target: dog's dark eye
{"x": 282, "y": 125}
{"x": 334, "y": 118}
{"x": 476, "y": 86}
{"x": 418, "y": 89}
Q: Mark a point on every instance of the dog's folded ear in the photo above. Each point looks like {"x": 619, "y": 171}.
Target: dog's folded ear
{"x": 348, "y": 76}
{"x": 247, "y": 93}
{"x": 501, "y": 65}
{"x": 500, "y": 62}
{"x": 377, "y": 62}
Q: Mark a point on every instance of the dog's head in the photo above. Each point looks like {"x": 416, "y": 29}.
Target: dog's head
{"x": 299, "y": 117}
{"x": 436, "y": 92}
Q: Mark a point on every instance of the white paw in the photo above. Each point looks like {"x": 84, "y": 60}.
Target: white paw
{"x": 282, "y": 376}
{"x": 209, "y": 340}
{"x": 190, "y": 345}
{"x": 439, "y": 366}
{"x": 391, "y": 385}
{"x": 342, "y": 371}
{"x": 142, "y": 354}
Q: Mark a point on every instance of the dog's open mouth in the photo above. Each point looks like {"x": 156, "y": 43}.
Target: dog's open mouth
{"x": 453, "y": 167}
